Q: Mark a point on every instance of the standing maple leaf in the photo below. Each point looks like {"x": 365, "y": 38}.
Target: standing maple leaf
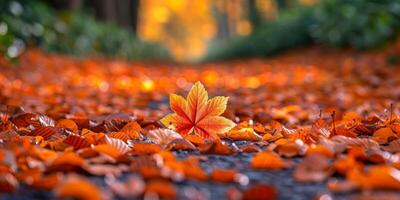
{"x": 197, "y": 114}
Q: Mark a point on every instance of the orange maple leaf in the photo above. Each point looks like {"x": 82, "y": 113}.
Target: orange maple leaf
{"x": 198, "y": 114}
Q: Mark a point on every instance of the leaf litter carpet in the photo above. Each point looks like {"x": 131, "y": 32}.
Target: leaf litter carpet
{"x": 309, "y": 125}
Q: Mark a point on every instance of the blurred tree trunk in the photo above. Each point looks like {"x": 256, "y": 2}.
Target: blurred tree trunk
{"x": 122, "y": 12}
{"x": 67, "y": 4}
{"x": 253, "y": 14}
{"x": 127, "y": 13}
{"x": 222, "y": 22}
{"x": 105, "y": 9}
{"x": 281, "y": 4}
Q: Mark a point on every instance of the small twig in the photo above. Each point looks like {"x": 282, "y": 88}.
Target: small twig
{"x": 391, "y": 113}
{"x": 334, "y": 122}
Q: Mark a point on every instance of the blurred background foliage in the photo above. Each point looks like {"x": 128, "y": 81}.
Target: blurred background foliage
{"x": 194, "y": 30}
{"x": 36, "y": 23}
{"x": 359, "y": 24}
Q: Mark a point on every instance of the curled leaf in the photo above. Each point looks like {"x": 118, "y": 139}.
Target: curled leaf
{"x": 118, "y": 144}
{"x": 163, "y": 136}
{"x": 218, "y": 147}
{"x": 243, "y": 134}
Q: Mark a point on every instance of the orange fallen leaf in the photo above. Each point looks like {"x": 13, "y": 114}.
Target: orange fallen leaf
{"x": 163, "y": 136}
{"x": 291, "y": 148}
{"x": 250, "y": 148}
{"x": 260, "y": 192}
{"x": 320, "y": 149}
{"x": 163, "y": 189}
{"x": 28, "y": 175}
{"x": 229, "y": 176}
{"x": 343, "y": 165}
{"x": 68, "y": 124}
{"x": 104, "y": 169}
{"x": 44, "y": 131}
{"x": 243, "y": 134}
{"x": 393, "y": 147}
{"x": 384, "y": 135}
{"x": 8, "y": 183}
{"x": 77, "y": 141}
{"x": 132, "y": 126}
{"x": 313, "y": 168}
{"x": 108, "y": 150}
{"x": 376, "y": 177}
{"x": 47, "y": 182}
{"x": 132, "y": 187}
{"x": 79, "y": 188}
{"x": 180, "y": 144}
{"x": 351, "y": 117}
{"x": 66, "y": 162}
{"x": 195, "y": 139}
{"x": 217, "y": 147}
{"x": 197, "y": 114}
{"x": 118, "y": 144}
{"x": 125, "y": 136}
{"x": 144, "y": 148}
{"x": 341, "y": 185}
{"x": 267, "y": 160}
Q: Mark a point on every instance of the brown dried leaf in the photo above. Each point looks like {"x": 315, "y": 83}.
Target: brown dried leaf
{"x": 314, "y": 168}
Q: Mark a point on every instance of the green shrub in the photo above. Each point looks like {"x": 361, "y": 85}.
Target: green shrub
{"x": 289, "y": 30}
{"x": 360, "y": 24}
{"x": 356, "y": 23}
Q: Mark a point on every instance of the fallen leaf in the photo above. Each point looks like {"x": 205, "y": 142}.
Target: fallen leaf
{"x": 393, "y": 147}
{"x": 260, "y": 192}
{"x": 118, "y": 144}
{"x": 267, "y": 160}
{"x": 8, "y": 183}
{"x": 68, "y": 124}
{"x": 47, "y": 182}
{"x": 162, "y": 189}
{"x": 217, "y": 147}
{"x": 163, "y": 136}
{"x": 131, "y": 188}
{"x": 243, "y": 134}
{"x": 384, "y": 135}
{"x": 77, "y": 141}
{"x": 313, "y": 168}
{"x": 197, "y": 114}
{"x": 108, "y": 150}
{"x": 376, "y": 177}
{"x": 68, "y": 161}
{"x": 140, "y": 148}
{"x": 180, "y": 144}
{"x": 78, "y": 187}
{"x": 250, "y": 148}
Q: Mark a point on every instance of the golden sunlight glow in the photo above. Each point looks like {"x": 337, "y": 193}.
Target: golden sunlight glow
{"x": 187, "y": 27}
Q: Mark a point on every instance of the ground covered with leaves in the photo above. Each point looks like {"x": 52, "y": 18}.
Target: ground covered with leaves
{"x": 307, "y": 124}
